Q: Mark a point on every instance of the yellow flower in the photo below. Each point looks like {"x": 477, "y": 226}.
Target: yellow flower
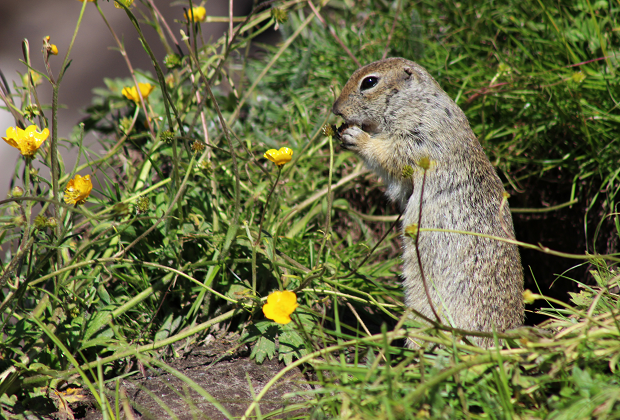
{"x": 127, "y": 3}
{"x": 27, "y": 141}
{"x": 198, "y": 13}
{"x": 78, "y": 189}
{"x": 132, "y": 93}
{"x": 53, "y": 49}
{"x": 279, "y": 157}
{"x": 280, "y": 306}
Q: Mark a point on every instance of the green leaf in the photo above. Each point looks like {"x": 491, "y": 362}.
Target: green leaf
{"x": 264, "y": 347}
{"x": 291, "y": 345}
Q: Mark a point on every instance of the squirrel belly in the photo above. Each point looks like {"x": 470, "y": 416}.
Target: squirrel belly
{"x": 397, "y": 117}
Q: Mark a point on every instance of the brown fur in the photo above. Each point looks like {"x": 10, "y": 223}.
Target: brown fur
{"x": 475, "y": 283}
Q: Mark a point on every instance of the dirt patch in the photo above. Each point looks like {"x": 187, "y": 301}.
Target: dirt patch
{"x": 227, "y": 381}
{"x": 226, "y": 374}
{"x": 219, "y": 368}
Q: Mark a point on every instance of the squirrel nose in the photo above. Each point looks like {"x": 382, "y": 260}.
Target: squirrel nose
{"x": 335, "y": 109}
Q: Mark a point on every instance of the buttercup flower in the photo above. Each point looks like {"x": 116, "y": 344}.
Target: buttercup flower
{"x": 78, "y": 189}
{"x": 280, "y": 306}
{"x": 27, "y": 141}
{"x": 279, "y": 157}
{"x": 198, "y": 13}
{"x": 132, "y": 93}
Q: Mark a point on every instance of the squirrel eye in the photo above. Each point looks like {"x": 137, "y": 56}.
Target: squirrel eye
{"x": 369, "y": 82}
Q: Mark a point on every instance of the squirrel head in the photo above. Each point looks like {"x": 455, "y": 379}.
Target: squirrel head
{"x": 398, "y": 97}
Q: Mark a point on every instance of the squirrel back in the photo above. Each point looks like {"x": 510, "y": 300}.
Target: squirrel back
{"x": 399, "y": 120}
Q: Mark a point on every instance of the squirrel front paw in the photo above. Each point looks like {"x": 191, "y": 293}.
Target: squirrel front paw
{"x": 353, "y": 138}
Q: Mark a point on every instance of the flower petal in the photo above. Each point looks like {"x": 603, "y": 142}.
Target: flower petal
{"x": 280, "y": 306}
{"x": 27, "y": 141}
{"x": 279, "y": 157}
{"x": 78, "y": 189}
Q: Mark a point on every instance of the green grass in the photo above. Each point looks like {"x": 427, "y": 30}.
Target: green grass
{"x": 108, "y": 283}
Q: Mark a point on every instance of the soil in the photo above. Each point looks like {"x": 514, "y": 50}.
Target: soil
{"x": 217, "y": 368}
{"x": 227, "y": 381}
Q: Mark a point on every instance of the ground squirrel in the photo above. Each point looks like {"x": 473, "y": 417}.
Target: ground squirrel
{"x": 396, "y": 116}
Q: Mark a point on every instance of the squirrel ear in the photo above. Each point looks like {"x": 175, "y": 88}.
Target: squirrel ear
{"x": 410, "y": 72}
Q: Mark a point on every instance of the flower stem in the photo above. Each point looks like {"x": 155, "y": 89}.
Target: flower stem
{"x": 417, "y": 252}
{"x": 121, "y": 48}
{"x": 28, "y": 205}
{"x": 55, "y": 169}
{"x": 260, "y": 229}
{"x": 262, "y": 217}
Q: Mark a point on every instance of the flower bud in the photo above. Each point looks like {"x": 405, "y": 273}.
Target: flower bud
{"x": 198, "y": 147}
{"x": 142, "y": 205}
{"x": 424, "y": 163}
{"x": 407, "y": 171}
{"x": 329, "y": 130}
{"x": 167, "y": 136}
{"x": 40, "y": 222}
{"x": 172, "y": 60}
{"x": 412, "y": 231}
{"x": 17, "y": 192}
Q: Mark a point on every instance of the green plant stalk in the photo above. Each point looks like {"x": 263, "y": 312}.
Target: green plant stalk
{"x": 544, "y": 209}
{"x": 374, "y": 248}
{"x": 80, "y": 151}
{"x": 28, "y": 205}
{"x": 503, "y": 388}
{"x": 262, "y": 74}
{"x": 54, "y": 170}
{"x": 378, "y": 338}
{"x": 256, "y": 243}
{"x": 129, "y": 66}
{"x": 65, "y": 63}
{"x": 142, "y": 295}
{"x": 127, "y": 353}
{"x": 417, "y": 251}
{"x": 420, "y": 391}
{"x": 13, "y": 265}
{"x": 330, "y": 201}
{"x": 111, "y": 152}
{"x": 226, "y": 42}
{"x": 158, "y": 19}
{"x": 539, "y": 247}
{"x": 316, "y": 196}
{"x": 234, "y": 225}
{"x": 370, "y": 299}
{"x": 134, "y": 197}
{"x": 30, "y": 85}
{"x": 72, "y": 359}
{"x": 601, "y": 38}
{"x": 107, "y": 410}
{"x": 168, "y": 102}
{"x": 176, "y": 198}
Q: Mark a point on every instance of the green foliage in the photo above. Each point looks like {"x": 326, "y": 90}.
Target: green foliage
{"x": 173, "y": 244}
